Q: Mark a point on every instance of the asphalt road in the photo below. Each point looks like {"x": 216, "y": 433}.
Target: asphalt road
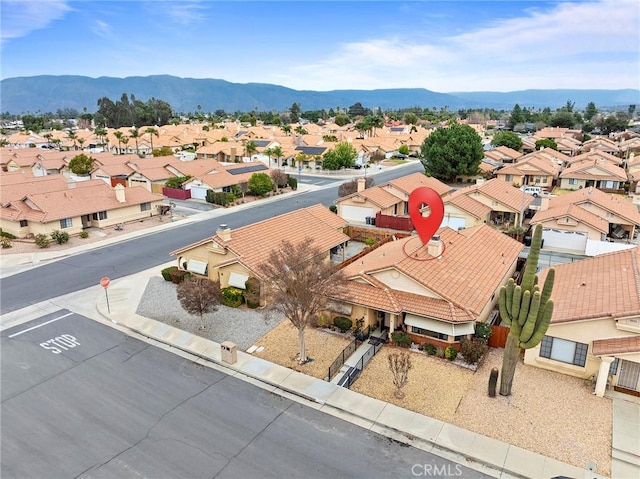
{"x": 82, "y": 400}
{"x": 127, "y": 257}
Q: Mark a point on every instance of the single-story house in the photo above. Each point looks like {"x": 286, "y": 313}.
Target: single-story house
{"x": 595, "y": 327}
{"x": 434, "y": 292}
{"x": 598, "y": 173}
{"x": 233, "y": 256}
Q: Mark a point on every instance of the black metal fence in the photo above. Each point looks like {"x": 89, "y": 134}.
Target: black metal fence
{"x": 352, "y": 374}
{"x": 342, "y": 357}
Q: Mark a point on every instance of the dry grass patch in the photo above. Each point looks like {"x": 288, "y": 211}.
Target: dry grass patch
{"x": 435, "y": 386}
{"x": 281, "y": 347}
{"x": 548, "y": 413}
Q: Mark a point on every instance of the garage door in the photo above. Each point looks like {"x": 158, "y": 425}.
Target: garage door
{"x": 199, "y": 192}
{"x": 356, "y": 214}
{"x": 573, "y": 241}
{"x": 453, "y": 222}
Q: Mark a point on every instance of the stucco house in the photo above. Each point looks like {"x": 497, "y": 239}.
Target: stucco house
{"x": 571, "y": 221}
{"x": 233, "y": 256}
{"x": 434, "y": 292}
{"x": 595, "y": 327}
{"x": 530, "y": 170}
{"x": 43, "y": 204}
{"x": 493, "y": 202}
{"x": 223, "y": 178}
{"x": 388, "y": 199}
{"x": 599, "y": 173}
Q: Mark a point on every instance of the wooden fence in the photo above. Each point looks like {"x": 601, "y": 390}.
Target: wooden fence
{"x": 498, "y": 337}
{"x": 394, "y": 222}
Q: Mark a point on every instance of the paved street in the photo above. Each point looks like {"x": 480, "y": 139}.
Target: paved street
{"x": 80, "y": 399}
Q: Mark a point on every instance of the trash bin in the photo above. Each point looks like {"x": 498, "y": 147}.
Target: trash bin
{"x": 229, "y": 352}
{"x": 368, "y": 220}
{"x": 373, "y": 221}
{"x": 527, "y": 240}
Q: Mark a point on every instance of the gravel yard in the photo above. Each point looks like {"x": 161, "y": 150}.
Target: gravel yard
{"x": 281, "y": 347}
{"x": 548, "y": 413}
{"x": 240, "y": 325}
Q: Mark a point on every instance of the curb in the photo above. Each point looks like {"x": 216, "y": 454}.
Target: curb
{"x": 393, "y": 433}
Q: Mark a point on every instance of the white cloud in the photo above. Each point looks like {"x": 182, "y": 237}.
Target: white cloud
{"x": 186, "y": 13}
{"x": 21, "y": 17}
{"x": 568, "y": 45}
{"x": 101, "y": 29}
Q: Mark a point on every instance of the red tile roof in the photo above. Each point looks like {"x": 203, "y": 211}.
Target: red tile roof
{"x": 615, "y": 346}
{"x": 605, "y": 286}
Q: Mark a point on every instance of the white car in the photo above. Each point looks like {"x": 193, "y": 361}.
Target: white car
{"x": 532, "y": 190}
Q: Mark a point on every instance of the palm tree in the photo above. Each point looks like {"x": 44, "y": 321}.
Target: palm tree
{"x": 125, "y": 140}
{"x": 278, "y": 153}
{"x": 376, "y": 122}
{"x": 100, "y": 132}
{"x": 250, "y": 148}
{"x": 268, "y": 152}
{"x": 286, "y": 129}
{"x": 81, "y": 141}
{"x": 119, "y": 135}
{"x": 301, "y": 131}
{"x": 135, "y": 134}
{"x": 48, "y": 137}
{"x": 72, "y": 136}
{"x": 151, "y": 131}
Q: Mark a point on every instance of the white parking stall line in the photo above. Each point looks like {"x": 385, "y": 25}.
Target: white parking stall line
{"x": 39, "y": 325}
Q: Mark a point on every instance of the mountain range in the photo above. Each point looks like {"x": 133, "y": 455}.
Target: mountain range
{"x": 48, "y": 93}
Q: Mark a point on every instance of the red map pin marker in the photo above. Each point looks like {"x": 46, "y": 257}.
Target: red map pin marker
{"x": 426, "y": 226}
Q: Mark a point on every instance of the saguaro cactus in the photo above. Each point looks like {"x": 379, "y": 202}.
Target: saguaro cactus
{"x": 526, "y": 310}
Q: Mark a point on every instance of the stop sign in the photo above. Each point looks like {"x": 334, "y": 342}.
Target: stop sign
{"x": 104, "y": 282}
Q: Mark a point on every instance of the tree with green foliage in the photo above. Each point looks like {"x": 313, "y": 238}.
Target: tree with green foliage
{"x": 526, "y": 310}
{"x": 135, "y": 134}
{"x": 507, "y": 138}
{"x": 516, "y": 117}
{"x": 410, "y": 118}
{"x": 563, "y": 119}
{"x": 260, "y": 184}
{"x": 404, "y": 150}
{"x": 151, "y": 131}
{"x": 546, "y": 143}
{"x": 448, "y": 152}
{"x": 119, "y": 135}
{"x": 164, "y": 151}
{"x": 250, "y": 148}
{"x": 81, "y": 164}
{"x": 613, "y": 123}
{"x": 177, "y": 181}
{"x": 277, "y": 153}
{"x": 33, "y": 123}
{"x": 342, "y": 156}
{"x": 590, "y": 111}
{"x": 341, "y": 119}
{"x": 294, "y": 113}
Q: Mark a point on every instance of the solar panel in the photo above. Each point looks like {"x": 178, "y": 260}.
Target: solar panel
{"x": 247, "y": 169}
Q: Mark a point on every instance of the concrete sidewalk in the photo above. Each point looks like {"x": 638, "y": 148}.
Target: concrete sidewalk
{"x": 492, "y": 457}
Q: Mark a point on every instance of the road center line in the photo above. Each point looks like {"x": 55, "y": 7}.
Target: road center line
{"x": 39, "y": 325}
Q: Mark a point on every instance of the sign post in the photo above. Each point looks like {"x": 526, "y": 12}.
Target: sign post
{"x": 104, "y": 282}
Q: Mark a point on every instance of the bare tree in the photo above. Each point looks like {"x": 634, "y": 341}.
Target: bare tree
{"x": 351, "y": 187}
{"x": 199, "y": 296}
{"x": 279, "y": 178}
{"x": 399, "y": 364}
{"x": 298, "y": 279}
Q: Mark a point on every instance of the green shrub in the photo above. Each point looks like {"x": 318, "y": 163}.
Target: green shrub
{"x": 483, "y": 330}
{"x": 401, "y": 339}
{"x": 260, "y": 184}
{"x": 219, "y": 198}
{"x": 176, "y": 182}
{"x": 369, "y": 241}
{"x": 473, "y": 349}
{"x": 4, "y": 234}
{"x": 252, "y": 292}
{"x": 322, "y": 321}
{"x": 60, "y": 237}
{"x": 450, "y": 353}
{"x": 42, "y": 240}
{"x": 429, "y": 348}
{"x": 83, "y": 234}
{"x": 178, "y": 276}
{"x": 293, "y": 183}
{"x": 231, "y": 296}
{"x": 166, "y": 273}
{"x": 5, "y": 242}
{"x": 342, "y": 323}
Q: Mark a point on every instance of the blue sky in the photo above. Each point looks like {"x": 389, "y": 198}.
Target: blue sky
{"x": 443, "y": 46}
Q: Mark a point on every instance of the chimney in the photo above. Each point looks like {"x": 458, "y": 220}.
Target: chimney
{"x": 435, "y": 246}
{"x": 120, "y": 193}
{"x": 479, "y": 181}
{"x": 361, "y": 184}
{"x": 224, "y": 233}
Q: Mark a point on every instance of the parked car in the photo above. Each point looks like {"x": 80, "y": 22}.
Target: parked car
{"x": 532, "y": 190}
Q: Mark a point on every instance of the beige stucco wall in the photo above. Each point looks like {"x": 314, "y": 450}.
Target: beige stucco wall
{"x": 581, "y": 332}
{"x": 592, "y": 233}
{"x": 491, "y": 203}
{"x": 564, "y": 184}
{"x": 455, "y": 212}
{"x": 136, "y": 179}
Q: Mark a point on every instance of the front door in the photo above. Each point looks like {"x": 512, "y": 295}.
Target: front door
{"x": 629, "y": 375}
{"x": 86, "y": 221}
